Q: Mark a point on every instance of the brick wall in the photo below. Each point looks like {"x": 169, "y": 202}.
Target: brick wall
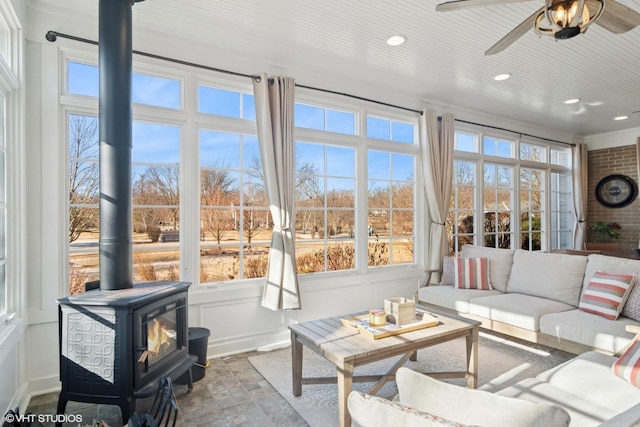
{"x": 618, "y": 160}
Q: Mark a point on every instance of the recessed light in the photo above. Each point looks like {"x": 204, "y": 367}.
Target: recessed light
{"x": 572, "y": 101}
{"x": 501, "y": 77}
{"x": 621, "y": 118}
{"x": 396, "y": 40}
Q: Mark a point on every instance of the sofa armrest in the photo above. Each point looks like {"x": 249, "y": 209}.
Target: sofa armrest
{"x": 427, "y": 281}
{"x": 634, "y": 329}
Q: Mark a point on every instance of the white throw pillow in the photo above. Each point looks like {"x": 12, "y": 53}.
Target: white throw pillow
{"x": 469, "y": 406}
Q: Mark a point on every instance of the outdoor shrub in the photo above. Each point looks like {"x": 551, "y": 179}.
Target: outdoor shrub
{"x": 144, "y": 268}
{"x": 378, "y": 253}
{"x": 255, "y": 266}
{"x": 77, "y": 279}
{"x": 154, "y": 233}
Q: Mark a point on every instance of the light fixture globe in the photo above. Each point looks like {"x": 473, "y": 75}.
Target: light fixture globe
{"x": 567, "y": 18}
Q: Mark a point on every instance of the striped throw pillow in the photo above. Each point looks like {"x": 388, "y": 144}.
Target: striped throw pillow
{"x": 472, "y": 273}
{"x": 627, "y": 366}
{"x": 606, "y": 294}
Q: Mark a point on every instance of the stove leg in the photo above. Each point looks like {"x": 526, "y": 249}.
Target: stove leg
{"x": 62, "y": 404}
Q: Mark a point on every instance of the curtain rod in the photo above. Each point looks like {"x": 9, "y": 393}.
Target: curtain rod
{"x": 512, "y": 131}
{"x": 53, "y": 35}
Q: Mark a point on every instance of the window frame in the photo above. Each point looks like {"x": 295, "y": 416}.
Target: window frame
{"x": 517, "y": 163}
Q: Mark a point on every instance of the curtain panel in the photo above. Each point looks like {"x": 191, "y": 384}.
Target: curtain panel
{"x": 436, "y": 141}
{"x": 274, "y": 99}
{"x": 580, "y": 182}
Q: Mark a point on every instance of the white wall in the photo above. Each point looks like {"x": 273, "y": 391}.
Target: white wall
{"x": 613, "y": 139}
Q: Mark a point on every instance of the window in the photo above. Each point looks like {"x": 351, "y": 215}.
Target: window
{"x": 533, "y": 153}
{"x": 561, "y": 211}
{"x": 498, "y": 147}
{"x": 235, "y": 222}
{"x": 3, "y": 211}
{"x": 226, "y": 103}
{"x": 325, "y": 119}
{"x": 525, "y": 199}
{"x": 391, "y": 208}
{"x": 532, "y": 192}
{"x": 390, "y": 130}
{"x": 224, "y": 228}
{"x": 498, "y": 205}
{"x": 146, "y": 89}
{"x": 460, "y": 220}
{"x": 83, "y": 187}
{"x": 325, "y": 207}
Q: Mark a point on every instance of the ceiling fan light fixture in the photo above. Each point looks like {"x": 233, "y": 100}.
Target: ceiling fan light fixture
{"x": 564, "y": 19}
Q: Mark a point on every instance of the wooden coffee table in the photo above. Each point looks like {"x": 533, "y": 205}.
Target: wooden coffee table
{"x": 346, "y": 348}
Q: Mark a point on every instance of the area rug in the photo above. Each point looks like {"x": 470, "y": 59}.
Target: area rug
{"x": 502, "y": 362}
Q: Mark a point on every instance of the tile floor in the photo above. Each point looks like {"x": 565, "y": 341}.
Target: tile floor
{"x": 232, "y": 393}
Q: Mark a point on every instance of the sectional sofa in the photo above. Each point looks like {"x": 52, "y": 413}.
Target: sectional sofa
{"x": 535, "y": 296}
{"x": 546, "y": 298}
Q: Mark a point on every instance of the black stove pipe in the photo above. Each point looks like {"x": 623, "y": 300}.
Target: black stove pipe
{"x": 115, "y": 65}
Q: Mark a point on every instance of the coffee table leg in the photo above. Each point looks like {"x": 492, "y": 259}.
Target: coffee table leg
{"x": 472, "y": 358}
{"x": 296, "y": 364}
{"x": 345, "y": 385}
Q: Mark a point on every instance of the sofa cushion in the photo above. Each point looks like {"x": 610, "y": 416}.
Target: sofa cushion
{"x": 588, "y": 329}
{"x": 473, "y": 406}
{"x": 499, "y": 263}
{"x": 631, "y": 308}
{"x": 367, "y": 410}
{"x": 519, "y": 310}
{"x": 450, "y": 297}
{"x": 627, "y": 366}
{"x": 472, "y": 273}
{"x": 547, "y": 275}
{"x": 589, "y": 375}
{"x": 583, "y": 411}
{"x": 606, "y": 294}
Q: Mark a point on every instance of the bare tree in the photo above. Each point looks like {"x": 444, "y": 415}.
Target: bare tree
{"x": 83, "y": 174}
{"x": 163, "y": 188}
{"x": 215, "y": 190}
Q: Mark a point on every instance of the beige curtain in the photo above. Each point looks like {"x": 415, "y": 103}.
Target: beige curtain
{"x": 436, "y": 154}
{"x": 580, "y": 182}
{"x": 274, "y": 100}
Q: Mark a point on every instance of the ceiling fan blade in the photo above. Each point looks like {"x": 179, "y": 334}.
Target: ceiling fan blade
{"x": 514, "y": 34}
{"x": 470, "y": 4}
{"x": 618, "y": 18}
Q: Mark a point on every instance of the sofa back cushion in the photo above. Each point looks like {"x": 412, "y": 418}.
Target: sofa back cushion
{"x": 499, "y": 263}
{"x": 547, "y": 275}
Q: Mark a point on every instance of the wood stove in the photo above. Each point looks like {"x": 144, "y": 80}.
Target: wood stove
{"x": 117, "y": 340}
{"x": 114, "y": 345}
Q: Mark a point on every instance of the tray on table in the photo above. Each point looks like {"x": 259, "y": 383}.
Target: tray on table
{"x": 424, "y": 319}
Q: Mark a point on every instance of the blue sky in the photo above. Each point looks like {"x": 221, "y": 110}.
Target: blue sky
{"x": 160, "y": 144}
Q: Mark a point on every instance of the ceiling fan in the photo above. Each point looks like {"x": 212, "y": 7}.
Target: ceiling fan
{"x": 560, "y": 19}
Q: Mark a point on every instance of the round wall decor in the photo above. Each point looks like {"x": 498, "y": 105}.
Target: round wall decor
{"x": 616, "y": 191}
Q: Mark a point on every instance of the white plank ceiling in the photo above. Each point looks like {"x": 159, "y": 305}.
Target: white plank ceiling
{"x": 341, "y": 45}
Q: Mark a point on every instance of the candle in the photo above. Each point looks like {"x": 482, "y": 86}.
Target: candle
{"x": 377, "y": 317}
